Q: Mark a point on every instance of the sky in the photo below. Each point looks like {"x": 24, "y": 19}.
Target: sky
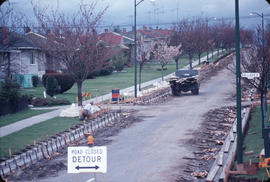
{"x": 161, "y": 12}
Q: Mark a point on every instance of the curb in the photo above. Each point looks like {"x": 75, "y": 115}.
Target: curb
{"x": 227, "y": 153}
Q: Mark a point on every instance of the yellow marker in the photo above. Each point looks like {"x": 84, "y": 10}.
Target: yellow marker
{"x": 90, "y": 140}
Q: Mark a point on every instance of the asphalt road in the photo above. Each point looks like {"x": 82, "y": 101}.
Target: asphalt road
{"x": 152, "y": 150}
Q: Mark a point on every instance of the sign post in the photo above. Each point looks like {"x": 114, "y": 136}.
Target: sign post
{"x": 87, "y": 159}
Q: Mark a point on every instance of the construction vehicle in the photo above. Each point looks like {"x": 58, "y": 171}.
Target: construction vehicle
{"x": 184, "y": 81}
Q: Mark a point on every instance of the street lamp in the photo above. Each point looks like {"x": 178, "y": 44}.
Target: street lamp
{"x": 135, "y": 44}
{"x": 207, "y": 20}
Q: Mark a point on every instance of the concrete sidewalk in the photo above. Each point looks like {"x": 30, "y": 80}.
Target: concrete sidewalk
{"x": 6, "y": 130}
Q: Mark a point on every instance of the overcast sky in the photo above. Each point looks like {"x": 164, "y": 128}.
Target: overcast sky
{"x": 121, "y": 12}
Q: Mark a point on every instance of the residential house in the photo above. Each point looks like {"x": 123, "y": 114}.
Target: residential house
{"x": 114, "y": 39}
{"x": 149, "y": 35}
{"x": 21, "y": 55}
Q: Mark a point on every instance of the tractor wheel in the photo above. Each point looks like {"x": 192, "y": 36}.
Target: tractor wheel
{"x": 175, "y": 92}
{"x": 195, "y": 91}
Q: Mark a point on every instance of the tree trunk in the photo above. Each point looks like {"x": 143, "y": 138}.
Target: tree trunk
{"x": 218, "y": 51}
{"x": 212, "y": 53}
{"x": 263, "y": 113}
{"x": 190, "y": 62}
{"x": 207, "y": 55}
{"x": 79, "y": 91}
{"x": 162, "y": 72}
{"x": 8, "y": 75}
{"x": 140, "y": 77}
{"x": 199, "y": 59}
{"x": 176, "y": 61}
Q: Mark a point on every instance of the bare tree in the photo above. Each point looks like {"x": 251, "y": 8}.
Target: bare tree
{"x": 9, "y": 39}
{"x": 200, "y": 37}
{"x": 257, "y": 59}
{"x": 185, "y": 35}
{"x": 73, "y": 41}
{"x": 175, "y": 41}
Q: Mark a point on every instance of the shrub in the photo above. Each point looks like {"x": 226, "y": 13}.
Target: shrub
{"x": 35, "y": 80}
{"x": 52, "y": 87}
{"x": 39, "y": 102}
{"x": 20, "y": 79}
{"x": 119, "y": 62}
{"x": 65, "y": 81}
{"x": 9, "y": 91}
{"x": 106, "y": 71}
{"x": 9, "y": 107}
{"x": 160, "y": 69}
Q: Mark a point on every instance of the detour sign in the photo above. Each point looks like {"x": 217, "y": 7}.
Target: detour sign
{"x": 87, "y": 159}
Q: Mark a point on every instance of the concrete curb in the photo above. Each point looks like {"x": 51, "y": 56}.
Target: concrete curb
{"x": 226, "y": 155}
{"x": 47, "y": 149}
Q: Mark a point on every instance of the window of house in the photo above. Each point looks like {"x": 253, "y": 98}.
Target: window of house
{"x": 32, "y": 58}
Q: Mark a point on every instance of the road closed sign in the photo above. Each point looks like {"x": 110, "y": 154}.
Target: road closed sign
{"x": 87, "y": 159}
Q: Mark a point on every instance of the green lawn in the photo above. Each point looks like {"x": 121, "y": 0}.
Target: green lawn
{"x": 104, "y": 84}
{"x": 20, "y": 139}
{"x": 253, "y": 141}
{"x": 12, "y": 118}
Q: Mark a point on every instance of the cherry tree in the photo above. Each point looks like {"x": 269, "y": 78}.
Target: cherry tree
{"x": 164, "y": 54}
{"x": 143, "y": 55}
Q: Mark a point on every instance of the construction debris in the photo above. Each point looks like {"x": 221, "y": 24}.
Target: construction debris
{"x": 199, "y": 174}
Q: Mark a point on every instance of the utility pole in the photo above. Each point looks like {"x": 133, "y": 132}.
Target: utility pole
{"x": 238, "y": 86}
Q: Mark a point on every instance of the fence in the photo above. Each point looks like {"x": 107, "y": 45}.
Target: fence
{"x": 46, "y": 149}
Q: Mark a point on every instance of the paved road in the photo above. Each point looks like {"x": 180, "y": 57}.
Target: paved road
{"x": 6, "y": 130}
{"x": 152, "y": 150}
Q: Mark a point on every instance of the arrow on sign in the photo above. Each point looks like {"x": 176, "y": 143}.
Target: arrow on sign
{"x": 87, "y": 167}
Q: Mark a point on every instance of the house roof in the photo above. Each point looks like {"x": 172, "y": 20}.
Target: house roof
{"x": 151, "y": 33}
{"x": 111, "y": 38}
{"x": 12, "y": 40}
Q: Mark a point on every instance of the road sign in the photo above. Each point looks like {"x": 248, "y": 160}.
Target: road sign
{"x": 87, "y": 159}
{"x": 250, "y": 75}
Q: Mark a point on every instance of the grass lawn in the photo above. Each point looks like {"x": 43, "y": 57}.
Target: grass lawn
{"x": 12, "y": 118}
{"x": 253, "y": 141}
{"x": 104, "y": 84}
{"x": 20, "y": 139}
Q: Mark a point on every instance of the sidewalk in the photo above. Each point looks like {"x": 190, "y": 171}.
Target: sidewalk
{"x": 6, "y": 130}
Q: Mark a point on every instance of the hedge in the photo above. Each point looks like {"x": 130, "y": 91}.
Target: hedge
{"x": 10, "y": 107}
{"x": 65, "y": 81}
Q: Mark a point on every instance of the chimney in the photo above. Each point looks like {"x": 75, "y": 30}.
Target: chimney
{"x": 144, "y": 28}
{"x": 106, "y": 30}
{"x": 124, "y": 30}
{"x": 27, "y": 30}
